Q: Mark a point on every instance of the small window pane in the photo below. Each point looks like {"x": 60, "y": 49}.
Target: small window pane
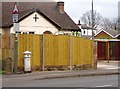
{"x": 84, "y": 31}
{"x": 24, "y": 32}
{"x": 31, "y": 32}
{"x": 18, "y": 32}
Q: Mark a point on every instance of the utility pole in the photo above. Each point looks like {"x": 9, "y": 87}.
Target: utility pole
{"x": 16, "y": 29}
{"x": 94, "y": 42}
{"x": 92, "y": 21}
{"x": 118, "y": 16}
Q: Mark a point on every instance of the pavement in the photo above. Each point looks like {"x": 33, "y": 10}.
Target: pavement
{"x": 103, "y": 68}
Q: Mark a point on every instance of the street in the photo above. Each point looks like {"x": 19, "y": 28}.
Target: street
{"x": 91, "y": 81}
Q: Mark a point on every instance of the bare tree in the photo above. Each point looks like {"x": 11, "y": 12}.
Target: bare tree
{"x": 87, "y": 18}
{"x": 106, "y": 23}
{"x": 109, "y": 24}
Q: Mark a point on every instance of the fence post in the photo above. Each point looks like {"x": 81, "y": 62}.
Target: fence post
{"x": 43, "y": 52}
{"x": 95, "y": 53}
{"x": 11, "y": 50}
{"x": 70, "y": 53}
{"x": 16, "y": 55}
{"x": 108, "y": 52}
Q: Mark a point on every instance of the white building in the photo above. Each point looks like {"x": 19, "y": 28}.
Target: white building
{"x": 86, "y": 31}
{"x": 37, "y": 18}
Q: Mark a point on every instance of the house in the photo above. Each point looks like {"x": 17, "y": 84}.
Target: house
{"x": 37, "y": 18}
{"x": 107, "y": 35}
{"x": 86, "y": 31}
{"x": 108, "y": 44}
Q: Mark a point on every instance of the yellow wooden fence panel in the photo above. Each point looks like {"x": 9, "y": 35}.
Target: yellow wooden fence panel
{"x": 32, "y": 43}
{"x": 5, "y": 46}
{"x": 81, "y": 51}
{"x": 48, "y": 52}
{"x": 75, "y": 50}
{"x": 56, "y": 50}
{"x": 64, "y": 50}
{"x": 37, "y": 51}
{"x": 21, "y": 49}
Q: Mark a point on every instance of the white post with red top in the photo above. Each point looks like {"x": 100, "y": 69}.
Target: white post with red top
{"x": 15, "y": 14}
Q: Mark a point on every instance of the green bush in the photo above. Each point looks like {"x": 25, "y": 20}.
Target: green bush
{"x": 2, "y": 72}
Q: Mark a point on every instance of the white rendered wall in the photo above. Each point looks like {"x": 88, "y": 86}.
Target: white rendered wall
{"x": 39, "y": 27}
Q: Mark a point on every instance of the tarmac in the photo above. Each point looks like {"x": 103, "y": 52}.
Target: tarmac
{"x": 103, "y": 68}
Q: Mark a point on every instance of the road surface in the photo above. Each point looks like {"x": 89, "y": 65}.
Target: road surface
{"x": 91, "y": 81}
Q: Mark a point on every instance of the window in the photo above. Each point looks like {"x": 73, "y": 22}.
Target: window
{"x": 24, "y": 32}
{"x": 84, "y": 32}
{"x": 18, "y": 32}
{"x": 31, "y": 32}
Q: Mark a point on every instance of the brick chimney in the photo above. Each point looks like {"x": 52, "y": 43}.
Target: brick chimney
{"x": 79, "y": 22}
{"x": 60, "y": 6}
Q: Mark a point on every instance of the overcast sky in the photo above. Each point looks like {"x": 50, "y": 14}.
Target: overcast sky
{"x": 75, "y": 8}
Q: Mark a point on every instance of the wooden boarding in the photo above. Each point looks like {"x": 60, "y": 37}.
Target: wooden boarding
{"x": 59, "y": 50}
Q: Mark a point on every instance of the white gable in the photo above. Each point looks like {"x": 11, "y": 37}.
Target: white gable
{"x": 39, "y": 26}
